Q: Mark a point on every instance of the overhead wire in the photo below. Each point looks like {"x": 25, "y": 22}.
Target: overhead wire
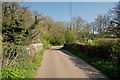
{"x": 70, "y": 13}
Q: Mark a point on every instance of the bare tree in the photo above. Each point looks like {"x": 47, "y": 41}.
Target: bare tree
{"x": 116, "y": 20}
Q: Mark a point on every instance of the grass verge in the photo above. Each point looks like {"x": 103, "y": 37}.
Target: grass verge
{"x": 108, "y": 68}
{"x": 24, "y": 70}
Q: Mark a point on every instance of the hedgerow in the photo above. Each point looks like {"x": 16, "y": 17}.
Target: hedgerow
{"x": 23, "y": 70}
{"x": 104, "y": 55}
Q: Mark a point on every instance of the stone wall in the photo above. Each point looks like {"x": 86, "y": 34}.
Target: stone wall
{"x": 34, "y": 48}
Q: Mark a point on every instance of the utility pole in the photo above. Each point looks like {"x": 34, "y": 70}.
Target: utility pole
{"x": 70, "y": 13}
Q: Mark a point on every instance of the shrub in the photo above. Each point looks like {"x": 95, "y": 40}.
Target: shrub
{"x": 111, "y": 47}
{"x": 23, "y": 70}
{"x": 108, "y": 49}
{"x": 103, "y": 57}
{"x": 70, "y": 36}
{"x": 13, "y": 54}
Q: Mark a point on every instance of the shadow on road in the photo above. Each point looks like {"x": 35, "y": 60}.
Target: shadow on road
{"x": 89, "y": 70}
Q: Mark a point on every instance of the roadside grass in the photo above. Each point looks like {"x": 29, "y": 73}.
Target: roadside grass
{"x": 24, "y": 70}
{"x": 108, "y": 68}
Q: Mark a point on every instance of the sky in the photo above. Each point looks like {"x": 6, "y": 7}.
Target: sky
{"x": 59, "y": 11}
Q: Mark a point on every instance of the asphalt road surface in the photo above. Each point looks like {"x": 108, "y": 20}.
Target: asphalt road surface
{"x": 58, "y": 63}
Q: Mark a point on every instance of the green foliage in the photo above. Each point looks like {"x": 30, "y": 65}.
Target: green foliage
{"x": 44, "y": 38}
{"x": 112, "y": 48}
{"x": 46, "y": 43}
{"x": 11, "y": 72}
{"x": 104, "y": 54}
{"x": 17, "y": 34}
{"x": 78, "y": 30}
{"x": 26, "y": 70}
{"x": 104, "y": 48}
{"x": 14, "y": 53}
{"x": 110, "y": 69}
{"x": 19, "y": 29}
{"x": 13, "y": 24}
{"x": 56, "y": 32}
{"x": 70, "y": 36}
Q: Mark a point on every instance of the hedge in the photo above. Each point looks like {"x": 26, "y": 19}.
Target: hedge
{"x": 106, "y": 49}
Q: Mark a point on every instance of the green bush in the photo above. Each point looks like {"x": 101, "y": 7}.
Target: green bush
{"x": 112, "y": 47}
{"x": 46, "y": 43}
{"x": 71, "y": 36}
{"x": 107, "y": 49}
{"x": 14, "y": 53}
{"x": 98, "y": 56}
{"x": 24, "y": 70}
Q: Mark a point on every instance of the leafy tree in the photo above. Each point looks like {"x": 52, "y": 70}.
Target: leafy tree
{"x": 14, "y": 23}
{"x": 16, "y": 32}
{"x": 70, "y": 36}
{"x": 57, "y": 33}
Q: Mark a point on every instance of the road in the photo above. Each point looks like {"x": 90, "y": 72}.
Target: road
{"x": 58, "y": 63}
